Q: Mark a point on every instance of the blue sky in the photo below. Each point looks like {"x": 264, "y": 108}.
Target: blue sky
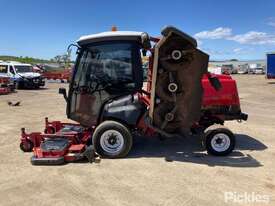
{"x": 239, "y": 29}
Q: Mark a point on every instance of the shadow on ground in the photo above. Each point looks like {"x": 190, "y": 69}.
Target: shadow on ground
{"x": 189, "y": 149}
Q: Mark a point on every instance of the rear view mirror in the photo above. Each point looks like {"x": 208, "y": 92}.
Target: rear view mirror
{"x": 73, "y": 49}
{"x": 64, "y": 93}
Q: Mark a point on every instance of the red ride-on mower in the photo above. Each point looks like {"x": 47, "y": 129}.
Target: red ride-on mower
{"x": 107, "y": 98}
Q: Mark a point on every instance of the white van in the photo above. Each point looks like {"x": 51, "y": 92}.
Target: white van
{"x": 21, "y": 74}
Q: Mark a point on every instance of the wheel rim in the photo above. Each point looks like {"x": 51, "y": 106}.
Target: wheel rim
{"x": 176, "y": 54}
{"x": 112, "y": 142}
{"x": 220, "y": 142}
{"x": 26, "y": 146}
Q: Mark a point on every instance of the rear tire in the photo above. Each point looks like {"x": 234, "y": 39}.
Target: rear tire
{"x": 112, "y": 139}
{"x": 219, "y": 141}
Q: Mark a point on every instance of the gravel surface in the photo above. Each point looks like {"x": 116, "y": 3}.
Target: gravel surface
{"x": 170, "y": 172}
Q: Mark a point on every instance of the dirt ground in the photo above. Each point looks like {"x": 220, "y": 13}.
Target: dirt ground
{"x": 191, "y": 177}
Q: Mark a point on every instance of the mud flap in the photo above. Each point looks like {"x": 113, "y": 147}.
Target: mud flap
{"x": 177, "y": 90}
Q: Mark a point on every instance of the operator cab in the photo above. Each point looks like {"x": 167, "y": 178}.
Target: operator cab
{"x": 108, "y": 67}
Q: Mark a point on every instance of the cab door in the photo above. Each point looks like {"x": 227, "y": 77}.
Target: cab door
{"x": 104, "y": 71}
{"x": 11, "y": 72}
{"x": 81, "y": 101}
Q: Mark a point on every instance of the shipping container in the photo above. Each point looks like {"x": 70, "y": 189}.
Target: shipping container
{"x": 270, "y": 65}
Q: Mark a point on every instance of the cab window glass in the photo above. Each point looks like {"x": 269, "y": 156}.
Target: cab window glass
{"x": 23, "y": 69}
{"x": 3, "y": 68}
{"x": 106, "y": 64}
{"x": 80, "y": 67}
{"x": 110, "y": 62}
{"x": 11, "y": 70}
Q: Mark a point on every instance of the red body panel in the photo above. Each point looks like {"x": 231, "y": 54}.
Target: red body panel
{"x": 77, "y": 140}
{"x": 55, "y": 126}
{"x": 4, "y": 80}
{"x": 66, "y": 74}
{"x": 4, "y": 90}
{"x": 4, "y": 85}
{"x": 226, "y": 96}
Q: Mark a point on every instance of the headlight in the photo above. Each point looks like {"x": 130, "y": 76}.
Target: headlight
{"x": 35, "y": 80}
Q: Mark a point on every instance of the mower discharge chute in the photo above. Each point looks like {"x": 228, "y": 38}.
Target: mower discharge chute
{"x": 108, "y": 99}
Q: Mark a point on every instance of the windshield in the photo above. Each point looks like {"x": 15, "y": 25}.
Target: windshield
{"x": 23, "y": 69}
{"x": 106, "y": 64}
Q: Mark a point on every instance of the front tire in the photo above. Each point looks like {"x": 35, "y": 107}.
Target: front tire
{"x": 112, "y": 139}
{"x": 219, "y": 141}
{"x": 27, "y": 146}
{"x": 18, "y": 85}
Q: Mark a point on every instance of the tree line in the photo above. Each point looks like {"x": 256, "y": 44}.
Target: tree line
{"x": 59, "y": 59}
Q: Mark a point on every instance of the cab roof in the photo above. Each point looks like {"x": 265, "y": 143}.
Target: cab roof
{"x": 110, "y": 35}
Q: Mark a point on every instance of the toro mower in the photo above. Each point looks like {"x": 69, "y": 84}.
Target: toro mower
{"x": 108, "y": 99}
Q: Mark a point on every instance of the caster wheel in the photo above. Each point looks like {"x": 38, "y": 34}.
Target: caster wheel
{"x": 26, "y": 147}
{"x": 219, "y": 141}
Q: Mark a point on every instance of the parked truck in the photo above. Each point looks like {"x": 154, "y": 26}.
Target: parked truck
{"x": 22, "y": 75}
{"x": 270, "y": 65}
{"x": 6, "y": 84}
